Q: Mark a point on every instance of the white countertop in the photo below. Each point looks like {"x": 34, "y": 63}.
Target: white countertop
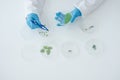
{"x": 16, "y": 38}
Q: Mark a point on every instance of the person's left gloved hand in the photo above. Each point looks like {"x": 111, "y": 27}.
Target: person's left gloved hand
{"x": 69, "y": 17}
{"x": 33, "y": 21}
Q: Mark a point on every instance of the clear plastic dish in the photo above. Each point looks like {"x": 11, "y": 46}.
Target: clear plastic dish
{"x": 33, "y": 51}
{"x": 94, "y": 47}
{"x": 70, "y": 49}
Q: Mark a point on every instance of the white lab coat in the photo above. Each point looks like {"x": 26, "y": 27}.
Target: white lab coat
{"x": 88, "y": 6}
{"x": 85, "y": 6}
{"x": 34, "y": 6}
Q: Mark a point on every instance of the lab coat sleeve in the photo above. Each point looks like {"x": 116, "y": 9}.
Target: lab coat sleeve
{"x": 33, "y": 6}
{"x": 88, "y": 6}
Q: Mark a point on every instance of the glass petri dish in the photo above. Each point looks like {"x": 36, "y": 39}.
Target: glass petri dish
{"x": 30, "y": 53}
{"x": 33, "y": 52}
{"x": 88, "y": 25}
{"x": 88, "y": 28}
{"x": 70, "y": 49}
{"x": 48, "y": 49}
{"x": 36, "y": 34}
{"x": 94, "y": 47}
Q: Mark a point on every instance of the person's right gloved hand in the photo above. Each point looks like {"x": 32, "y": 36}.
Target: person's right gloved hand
{"x": 33, "y": 22}
{"x": 68, "y": 17}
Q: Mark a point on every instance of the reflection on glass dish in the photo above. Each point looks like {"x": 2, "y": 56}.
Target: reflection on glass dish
{"x": 34, "y": 52}
{"x": 88, "y": 25}
{"x": 94, "y": 47}
{"x": 30, "y": 53}
{"x": 70, "y": 49}
{"x": 88, "y": 28}
{"x": 28, "y": 34}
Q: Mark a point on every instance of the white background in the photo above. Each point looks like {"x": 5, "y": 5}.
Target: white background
{"x": 84, "y": 67}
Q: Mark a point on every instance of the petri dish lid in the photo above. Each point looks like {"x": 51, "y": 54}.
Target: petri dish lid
{"x": 70, "y": 49}
{"x": 94, "y": 47}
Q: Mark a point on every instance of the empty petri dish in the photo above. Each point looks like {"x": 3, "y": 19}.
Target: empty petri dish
{"x": 26, "y": 33}
{"x": 70, "y": 49}
{"x": 30, "y": 53}
{"x": 94, "y": 47}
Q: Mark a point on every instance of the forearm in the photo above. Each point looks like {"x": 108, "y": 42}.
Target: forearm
{"x": 33, "y": 9}
{"x": 88, "y": 6}
{"x": 33, "y": 6}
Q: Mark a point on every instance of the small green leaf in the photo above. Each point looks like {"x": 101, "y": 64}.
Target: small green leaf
{"x": 45, "y": 47}
{"x": 50, "y": 48}
{"x": 42, "y": 51}
{"x": 48, "y": 52}
{"x": 67, "y": 18}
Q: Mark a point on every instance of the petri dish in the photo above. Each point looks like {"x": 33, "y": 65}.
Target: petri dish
{"x": 94, "y": 47}
{"x": 88, "y": 25}
{"x": 70, "y": 49}
{"x": 48, "y": 49}
{"x": 30, "y": 53}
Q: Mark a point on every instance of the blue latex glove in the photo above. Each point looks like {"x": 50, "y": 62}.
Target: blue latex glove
{"x": 33, "y": 21}
{"x": 62, "y": 17}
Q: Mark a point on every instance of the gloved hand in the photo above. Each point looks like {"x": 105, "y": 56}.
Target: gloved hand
{"x": 69, "y": 17}
{"x": 33, "y": 21}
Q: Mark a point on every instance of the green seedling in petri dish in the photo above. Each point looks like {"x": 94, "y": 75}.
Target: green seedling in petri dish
{"x": 94, "y": 47}
{"x": 46, "y": 49}
{"x": 42, "y": 51}
{"x": 91, "y": 27}
{"x": 49, "y": 47}
{"x": 70, "y": 51}
{"x": 67, "y": 18}
{"x": 48, "y": 52}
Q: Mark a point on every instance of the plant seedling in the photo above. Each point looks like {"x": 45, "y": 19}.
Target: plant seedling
{"x": 42, "y": 51}
{"x": 46, "y": 49}
{"x": 69, "y": 51}
{"x": 43, "y": 33}
{"x": 48, "y": 52}
{"x": 94, "y": 47}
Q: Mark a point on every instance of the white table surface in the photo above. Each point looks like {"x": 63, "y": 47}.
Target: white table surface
{"x": 13, "y": 66}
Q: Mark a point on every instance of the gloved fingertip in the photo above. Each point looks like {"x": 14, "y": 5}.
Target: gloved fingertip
{"x": 30, "y": 25}
{"x": 59, "y": 25}
{"x": 56, "y": 18}
{"x": 72, "y": 20}
{"x": 59, "y": 14}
